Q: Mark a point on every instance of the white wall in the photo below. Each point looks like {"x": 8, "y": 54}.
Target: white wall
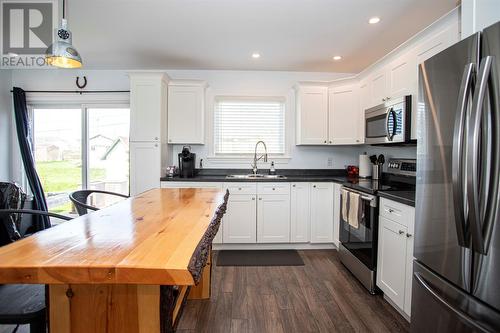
{"x": 5, "y": 124}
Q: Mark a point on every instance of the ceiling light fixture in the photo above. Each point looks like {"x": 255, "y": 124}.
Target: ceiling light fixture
{"x": 336, "y": 58}
{"x": 62, "y": 53}
{"x": 374, "y": 20}
{"x": 256, "y": 55}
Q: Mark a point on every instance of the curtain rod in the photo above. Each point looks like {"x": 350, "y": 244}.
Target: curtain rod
{"x": 76, "y": 91}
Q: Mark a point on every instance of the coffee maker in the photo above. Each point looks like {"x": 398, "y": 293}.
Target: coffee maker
{"x": 187, "y": 163}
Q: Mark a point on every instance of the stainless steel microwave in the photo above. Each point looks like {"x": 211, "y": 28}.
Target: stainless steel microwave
{"x": 389, "y": 122}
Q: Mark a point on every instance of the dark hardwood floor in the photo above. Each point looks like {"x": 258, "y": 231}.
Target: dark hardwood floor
{"x": 321, "y": 296}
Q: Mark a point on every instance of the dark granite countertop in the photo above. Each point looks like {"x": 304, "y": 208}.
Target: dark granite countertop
{"x": 404, "y": 197}
{"x": 292, "y": 175}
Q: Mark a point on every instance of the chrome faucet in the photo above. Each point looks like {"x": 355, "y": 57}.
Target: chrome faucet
{"x": 255, "y": 159}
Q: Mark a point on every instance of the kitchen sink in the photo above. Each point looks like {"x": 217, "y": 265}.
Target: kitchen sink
{"x": 257, "y": 176}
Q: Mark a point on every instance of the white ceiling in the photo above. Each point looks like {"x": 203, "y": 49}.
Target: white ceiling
{"x": 291, "y": 35}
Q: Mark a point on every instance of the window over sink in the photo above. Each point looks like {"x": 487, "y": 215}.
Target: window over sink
{"x": 239, "y": 122}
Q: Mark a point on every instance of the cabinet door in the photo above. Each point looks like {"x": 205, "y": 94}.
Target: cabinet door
{"x": 378, "y": 90}
{"x": 321, "y": 212}
{"x": 402, "y": 77}
{"x": 186, "y": 114}
{"x": 409, "y": 260}
{"x": 312, "y": 115}
{"x": 344, "y": 116}
{"x": 424, "y": 51}
{"x": 391, "y": 271}
{"x": 336, "y": 214}
{"x": 145, "y": 166}
{"x": 239, "y": 222}
{"x": 146, "y": 109}
{"x": 300, "y": 217}
{"x": 273, "y": 218}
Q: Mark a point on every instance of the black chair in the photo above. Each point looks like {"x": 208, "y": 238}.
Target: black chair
{"x": 79, "y": 199}
{"x": 22, "y": 304}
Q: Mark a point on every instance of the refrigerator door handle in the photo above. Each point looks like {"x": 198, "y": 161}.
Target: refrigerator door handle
{"x": 464, "y": 316}
{"x": 459, "y": 200}
{"x": 480, "y": 238}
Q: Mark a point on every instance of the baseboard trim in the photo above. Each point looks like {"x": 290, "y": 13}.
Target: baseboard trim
{"x": 287, "y": 246}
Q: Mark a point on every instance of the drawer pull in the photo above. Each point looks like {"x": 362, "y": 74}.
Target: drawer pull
{"x": 239, "y": 188}
{"x": 314, "y": 186}
{"x": 408, "y": 235}
{"x": 391, "y": 210}
{"x": 274, "y": 189}
{"x": 401, "y": 232}
{"x": 260, "y": 198}
{"x": 253, "y": 198}
{"x": 294, "y": 185}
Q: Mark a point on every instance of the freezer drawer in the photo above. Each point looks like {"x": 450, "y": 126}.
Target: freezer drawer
{"x": 438, "y": 306}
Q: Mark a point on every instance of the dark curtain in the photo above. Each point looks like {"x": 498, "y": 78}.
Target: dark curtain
{"x": 23, "y": 136}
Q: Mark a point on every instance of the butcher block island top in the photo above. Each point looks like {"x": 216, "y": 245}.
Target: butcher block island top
{"x": 150, "y": 239}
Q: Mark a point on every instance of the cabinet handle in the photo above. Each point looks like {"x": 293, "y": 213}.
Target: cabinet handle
{"x": 253, "y": 198}
{"x": 391, "y": 210}
{"x": 408, "y": 235}
{"x": 260, "y": 198}
{"x": 325, "y": 141}
{"x": 357, "y": 140}
{"x": 156, "y": 145}
{"x": 401, "y": 232}
{"x": 156, "y": 138}
{"x": 274, "y": 189}
{"x": 239, "y": 188}
{"x": 330, "y": 141}
{"x": 314, "y": 186}
{"x": 293, "y": 185}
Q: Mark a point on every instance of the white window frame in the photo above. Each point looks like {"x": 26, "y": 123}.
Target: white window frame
{"x": 216, "y": 159}
{"x": 61, "y": 101}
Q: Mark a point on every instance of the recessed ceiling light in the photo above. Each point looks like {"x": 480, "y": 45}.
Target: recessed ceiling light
{"x": 374, "y": 20}
{"x": 337, "y": 58}
{"x": 256, "y": 55}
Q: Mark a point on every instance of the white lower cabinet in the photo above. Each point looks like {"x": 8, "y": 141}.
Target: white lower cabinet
{"x": 395, "y": 252}
{"x": 321, "y": 212}
{"x": 336, "y": 214}
{"x": 145, "y": 166}
{"x": 273, "y": 218}
{"x": 239, "y": 222}
{"x": 300, "y": 212}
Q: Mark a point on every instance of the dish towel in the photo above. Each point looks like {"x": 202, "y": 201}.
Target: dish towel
{"x": 345, "y": 205}
{"x": 354, "y": 214}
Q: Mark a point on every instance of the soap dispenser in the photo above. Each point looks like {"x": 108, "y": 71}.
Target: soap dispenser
{"x": 272, "y": 170}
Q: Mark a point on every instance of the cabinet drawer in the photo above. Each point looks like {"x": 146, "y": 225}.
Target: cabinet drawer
{"x": 241, "y": 188}
{"x": 273, "y": 188}
{"x": 396, "y": 211}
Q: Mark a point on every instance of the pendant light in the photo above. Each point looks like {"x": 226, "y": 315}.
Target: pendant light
{"x": 62, "y": 53}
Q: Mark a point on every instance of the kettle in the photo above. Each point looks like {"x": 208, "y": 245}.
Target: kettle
{"x": 187, "y": 163}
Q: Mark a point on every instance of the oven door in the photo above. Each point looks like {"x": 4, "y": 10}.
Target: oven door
{"x": 362, "y": 241}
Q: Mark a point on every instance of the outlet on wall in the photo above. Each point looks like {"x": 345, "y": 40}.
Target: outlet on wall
{"x": 329, "y": 162}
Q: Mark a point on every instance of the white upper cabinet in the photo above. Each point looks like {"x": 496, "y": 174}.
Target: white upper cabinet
{"x": 401, "y": 79}
{"x": 148, "y": 106}
{"x": 186, "y": 112}
{"x": 378, "y": 87}
{"x": 312, "y": 115}
{"x": 344, "y": 117}
{"x": 321, "y": 212}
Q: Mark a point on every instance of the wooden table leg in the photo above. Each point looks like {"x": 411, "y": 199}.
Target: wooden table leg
{"x": 104, "y": 308}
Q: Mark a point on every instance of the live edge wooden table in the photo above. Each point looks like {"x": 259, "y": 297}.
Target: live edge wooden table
{"x": 126, "y": 268}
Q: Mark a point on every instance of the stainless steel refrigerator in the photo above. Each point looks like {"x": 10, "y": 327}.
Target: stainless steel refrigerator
{"x": 456, "y": 278}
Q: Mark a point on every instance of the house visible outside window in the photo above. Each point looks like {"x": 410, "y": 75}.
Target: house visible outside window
{"x": 81, "y": 147}
{"x": 240, "y": 122}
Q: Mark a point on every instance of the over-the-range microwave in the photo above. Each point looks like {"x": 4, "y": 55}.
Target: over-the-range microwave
{"x": 389, "y": 123}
